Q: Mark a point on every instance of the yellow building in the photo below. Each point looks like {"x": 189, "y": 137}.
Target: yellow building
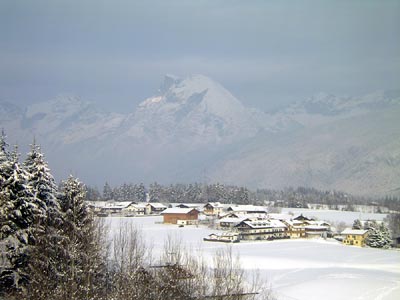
{"x": 354, "y": 237}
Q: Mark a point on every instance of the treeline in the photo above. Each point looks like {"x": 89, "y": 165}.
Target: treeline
{"x": 187, "y": 193}
{"x": 52, "y": 248}
{"x": 202, "y": 193}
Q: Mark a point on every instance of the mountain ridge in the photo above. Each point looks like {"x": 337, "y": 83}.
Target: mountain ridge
{"x": 197, "y": 121}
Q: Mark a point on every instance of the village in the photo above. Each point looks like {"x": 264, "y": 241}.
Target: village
{"x": 235, "y": 223}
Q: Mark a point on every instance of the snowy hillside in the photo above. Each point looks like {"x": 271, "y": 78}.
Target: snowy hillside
{"x": 324, "y": 108}
{"x": 360, "y": 155}
{"x": 193, "y": 129}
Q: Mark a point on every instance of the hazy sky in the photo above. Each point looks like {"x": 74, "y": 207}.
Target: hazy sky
{"x": 265, "y": 52}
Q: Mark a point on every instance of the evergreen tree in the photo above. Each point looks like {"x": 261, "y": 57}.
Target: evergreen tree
{"x": 92, "y": 194}
{"x": 385, "y": 235}
{"x": 5, "y": 162}
{"x": 141, "y": 193}
{"x": 155, "y": 192}
{"x": 20, "y": 217}
{"x": 84, "y": 265}
{"x": 393, "y": 220}
{"x": 357, "y": 224}
{"x": 378, "y": 236}
{"x": 107, "y": 192}
{"x": 44, "y": 268}
{"x": 43, "y": 185}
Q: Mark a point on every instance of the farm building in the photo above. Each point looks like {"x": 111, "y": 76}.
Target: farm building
{"x": 184, "y": 216}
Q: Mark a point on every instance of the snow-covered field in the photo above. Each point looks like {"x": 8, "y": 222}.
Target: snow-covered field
{"x": 296, "y": 269}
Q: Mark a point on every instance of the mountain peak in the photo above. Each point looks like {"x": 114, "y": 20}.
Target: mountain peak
{"x": 195, "y": 105}
{"x": 169, "y": 81}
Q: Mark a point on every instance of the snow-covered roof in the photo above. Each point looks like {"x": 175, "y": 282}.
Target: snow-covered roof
{"x": 110, "y": 204}
{"x": 231, "y": 220}
{"x": 316, "y": 227}
{"x": 191, "y": 205}
{"x": 157, "y": 205}
{"x": 215, "y": 204}
{"x": 139, "y": 205}
{"x": 238, "y": 208}
{"x": 317, "y": 223}
{"x": 265, "y": 224}
{"x": 177, "y": 210}
{"x": 354, "y": 231}
{"x": 222, "y": 234}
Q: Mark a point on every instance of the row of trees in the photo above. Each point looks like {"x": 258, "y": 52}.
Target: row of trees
{"x": 53, "y": 248}
{"x": 202, "y": 193}
{"x": 187, "y": 193}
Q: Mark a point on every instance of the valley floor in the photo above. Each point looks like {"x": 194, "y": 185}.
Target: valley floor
{"x": 295, "y": 269}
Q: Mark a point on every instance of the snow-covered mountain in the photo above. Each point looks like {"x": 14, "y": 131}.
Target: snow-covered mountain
{"x": 195, "y": 107}
{"x": 194, "y": 129}
{"x": 68, "y": 119}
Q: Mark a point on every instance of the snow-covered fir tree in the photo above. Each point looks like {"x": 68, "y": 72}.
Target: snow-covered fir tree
{"x": 107, "y": 192}
{"x": 43, "y": 184}
{"x": 85, "y": 260}
{"x": 155, "y": 192}
{"x": 19, "y": 221}
{"x": 385, "y": 235}
{"x": 46, "y": 272}
{"x": 357, "y": 224}
{"x": 5, "y": 161}
{"x": 378, "y": 236}
{"x": 140, "y": 193}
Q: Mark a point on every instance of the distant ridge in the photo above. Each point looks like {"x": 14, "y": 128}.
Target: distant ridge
{"x": 193, "y": 128}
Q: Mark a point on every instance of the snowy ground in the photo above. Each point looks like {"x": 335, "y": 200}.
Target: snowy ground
{"x": 296, "y": 269}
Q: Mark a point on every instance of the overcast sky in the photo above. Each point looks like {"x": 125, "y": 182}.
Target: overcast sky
{"x": 265, "y": 52}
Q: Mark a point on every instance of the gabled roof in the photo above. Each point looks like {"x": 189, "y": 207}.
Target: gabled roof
{"x": 302, "y": 218}
{"x": 110, "y": 204}
{"x": 247, "y": 208}
{"x": 224, "y": 234}
{"x": 139, "y": 206}
{"x": 188, "y": 205}
{"x": 214, "y": 204}
{"x": 354, "y": 231}
{"x": 263, "y": 224}
{"x": 231, "y": 220}
{"x": 178, "y": 210}
{"x": 156, "y": 205}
